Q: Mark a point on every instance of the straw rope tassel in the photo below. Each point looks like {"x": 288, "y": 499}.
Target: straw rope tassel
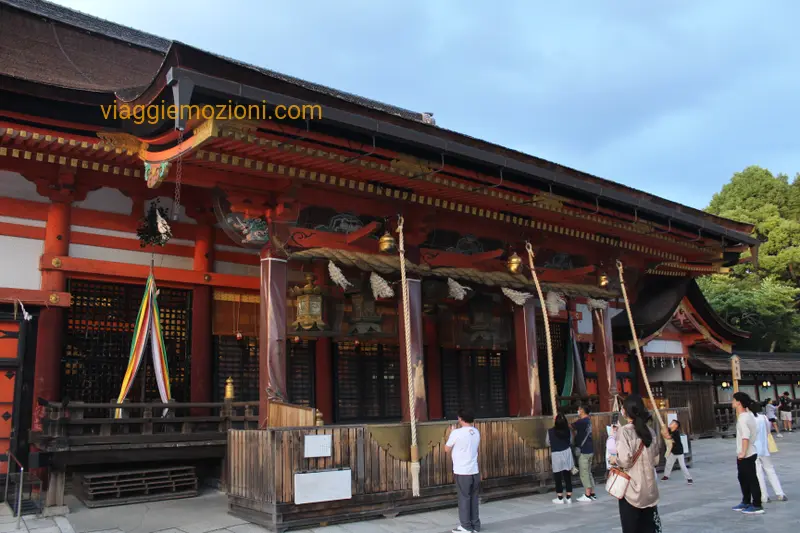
{"x": 551, "y": 373}
{"x": 412, "y": 399}
{"x": 636, "y": 345}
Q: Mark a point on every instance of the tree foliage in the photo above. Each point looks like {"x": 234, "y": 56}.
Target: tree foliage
{"x": 763, "y": 301}
{"x": 764, "y": 307}
{"x": 773, "y": 205}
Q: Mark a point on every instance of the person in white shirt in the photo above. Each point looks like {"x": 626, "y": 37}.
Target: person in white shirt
{"x": 746, "y": 455}
{"x": 463, "y": 444}
{"x": 772, "y": 415}
{"x": 764, "y": 461}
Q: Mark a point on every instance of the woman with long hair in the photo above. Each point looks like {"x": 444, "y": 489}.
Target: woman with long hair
{"x": 637, "y": 455}
{"x": 559, "y": 439}
{"x": 764, "y": 464}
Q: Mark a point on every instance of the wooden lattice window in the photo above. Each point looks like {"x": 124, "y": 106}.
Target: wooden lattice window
{"x": 300, "y": 372}
{"x": 367, "y": 382}
{"x": 559, "y": 336}
{"x": 474, "y": 379}
{"x": 99, "y": 331}
{"x": 238, "y": 360}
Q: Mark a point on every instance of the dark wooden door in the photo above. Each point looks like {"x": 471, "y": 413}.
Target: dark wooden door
{"x": 16, "y": 383}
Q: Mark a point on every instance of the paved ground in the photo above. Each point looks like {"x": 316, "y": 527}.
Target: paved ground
{"x": 702, "y": 508}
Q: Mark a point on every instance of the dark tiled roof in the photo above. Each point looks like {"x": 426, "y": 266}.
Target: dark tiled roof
{"x": 159, "y": 45}
{"x": 750, "y": 362}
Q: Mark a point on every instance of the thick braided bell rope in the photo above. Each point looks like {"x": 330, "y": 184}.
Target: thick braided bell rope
{"x": 551, "y": 372}
{"x": 412, "y": 399}
{"x": 636, "y": 345}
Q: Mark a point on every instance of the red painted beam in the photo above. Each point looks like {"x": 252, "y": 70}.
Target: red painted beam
{"x": 34, "y": 297}
{"x": 362, "y": 233}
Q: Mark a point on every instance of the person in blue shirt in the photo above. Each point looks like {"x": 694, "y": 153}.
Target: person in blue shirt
{"x": 585, "y": 448}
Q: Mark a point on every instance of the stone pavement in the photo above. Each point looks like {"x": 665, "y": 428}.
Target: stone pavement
{"x": 702, "y": 508}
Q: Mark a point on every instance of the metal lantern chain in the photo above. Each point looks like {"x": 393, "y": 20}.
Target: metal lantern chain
{"x": 176, "y": 204}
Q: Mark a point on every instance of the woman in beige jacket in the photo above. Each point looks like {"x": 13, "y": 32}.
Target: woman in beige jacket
{"x": 637, "y": 455}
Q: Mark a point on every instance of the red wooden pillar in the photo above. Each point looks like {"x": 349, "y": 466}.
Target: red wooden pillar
{"x": 272, "y": 330}
{"x": 50, "y": 336}
{"x": 529, "y": 392}
{"x": 604, "y": 355}
{"x": 323, "y": 360}
{"x": 417, "y": 366}
{"x": 202, "y": 360}
{"x": 433, "y": 369}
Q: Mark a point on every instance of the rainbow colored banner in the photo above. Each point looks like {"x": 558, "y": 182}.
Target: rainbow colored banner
{"x": 148, "y": 326}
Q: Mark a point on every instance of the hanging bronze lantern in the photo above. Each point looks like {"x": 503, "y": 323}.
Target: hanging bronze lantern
{"x": 387, "y": 244}
{"x": 514, "y": 263}
{"x": 602, "y": 280}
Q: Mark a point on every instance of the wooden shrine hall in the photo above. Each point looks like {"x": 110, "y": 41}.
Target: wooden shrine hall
{"x": 274, "y": 244}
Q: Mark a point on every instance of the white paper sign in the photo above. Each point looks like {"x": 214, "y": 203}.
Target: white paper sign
{"x": 324, "y": 486}
{"x": 318, "y": 445}
{"x": 671, "y": 417}
{"x": 685, "y": 442}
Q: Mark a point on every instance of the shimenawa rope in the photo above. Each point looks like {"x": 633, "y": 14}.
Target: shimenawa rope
{"x": 552, "y": 377}
{"x": 412, "y": 400}
{"x": 636, "y": 345}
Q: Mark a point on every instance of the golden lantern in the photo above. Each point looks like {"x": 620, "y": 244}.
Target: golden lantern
{"x": 229, "y": 389}
{"x": 602, "y": 280}
{"x": 514, "y": 263}
{"x": 387, "y": 244}
{"x": 309, "y": 305}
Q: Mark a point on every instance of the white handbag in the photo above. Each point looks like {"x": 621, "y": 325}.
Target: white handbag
{"x": 618, "y": 481}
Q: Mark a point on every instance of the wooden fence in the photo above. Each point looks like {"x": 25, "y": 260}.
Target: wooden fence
{"x": 513, "y": 460}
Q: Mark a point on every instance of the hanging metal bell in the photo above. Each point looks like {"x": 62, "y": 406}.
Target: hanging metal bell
{"x": 514, "y": 263}
{"x": 387, "y": 244}
{"x": 602, "y": 280}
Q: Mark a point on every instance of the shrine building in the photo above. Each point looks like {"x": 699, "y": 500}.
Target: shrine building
{"x": 274, "y": 246}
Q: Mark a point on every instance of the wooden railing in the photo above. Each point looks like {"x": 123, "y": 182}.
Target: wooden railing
{"x": 79, "y": 424}
{"x": 725, "y": 418}
{"x": 262, "y": 464}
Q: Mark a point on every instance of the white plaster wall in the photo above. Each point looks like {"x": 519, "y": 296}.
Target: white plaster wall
{"x": 123, "y": 234}
{"x": 83, "y": 251}
{"x": 107, "y": 200}
{"x": 668, "y": 373}
{"x": 225, "y": 267}
{"x": 14, "y": 185}
{"x": 585, "y": 323}
{"x": 167, "y": 202}
{"x": 19, "y": 262}
{"x": 661, "y": 346}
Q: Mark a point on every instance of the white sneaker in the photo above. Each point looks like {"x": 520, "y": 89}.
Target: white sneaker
{"x": 568, "y": 500}
{"x": 779, "y": 436}
{"x": 559, "y": 501}
{"x": 584, "y": 499}
{"x": 460, "y": 529}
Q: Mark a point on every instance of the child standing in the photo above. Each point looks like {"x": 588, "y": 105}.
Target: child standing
{"x": 676, "y": 454}
{"x": 611, "y": 447}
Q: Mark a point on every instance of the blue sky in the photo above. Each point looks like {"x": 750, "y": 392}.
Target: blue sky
{"x": 668, "y": 97}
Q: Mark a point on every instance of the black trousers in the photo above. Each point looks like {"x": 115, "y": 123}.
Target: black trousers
{"x": 635, "y": 520}
{"x": 561, "y": 479}
{"x": 748, "y": 480}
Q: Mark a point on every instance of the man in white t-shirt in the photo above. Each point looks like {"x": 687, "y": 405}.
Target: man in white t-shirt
{"x": 463, "y": 443}
{"x": 746, "y": 455}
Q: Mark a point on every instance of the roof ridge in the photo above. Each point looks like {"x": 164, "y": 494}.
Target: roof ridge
{"x": 87, "y": 22}
{"x": 119, "y": 32}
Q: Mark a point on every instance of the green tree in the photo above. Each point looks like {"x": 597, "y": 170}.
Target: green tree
{"x": 770, "y": 202}
{"x": 764, "y": 307}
